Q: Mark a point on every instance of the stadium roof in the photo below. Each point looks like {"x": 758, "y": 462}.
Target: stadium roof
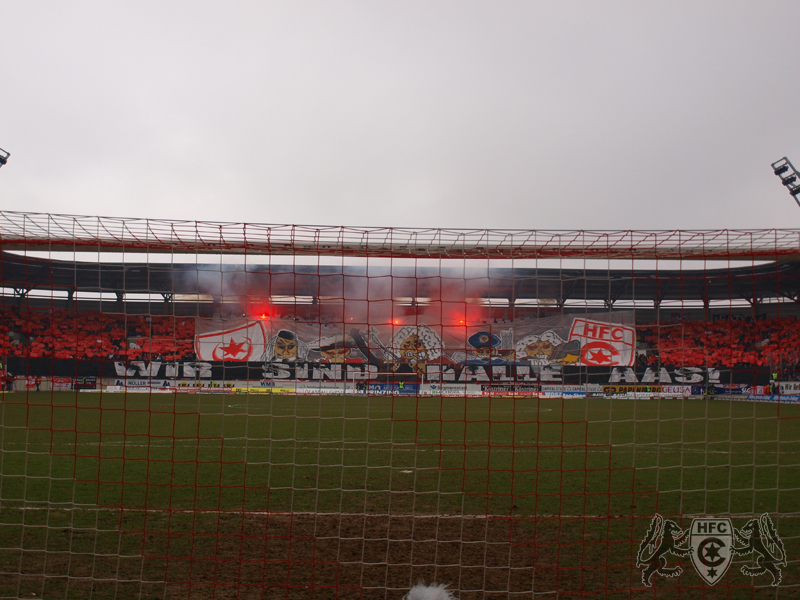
{"x": 757, "y": 282}
{"x": 46, "y": 232}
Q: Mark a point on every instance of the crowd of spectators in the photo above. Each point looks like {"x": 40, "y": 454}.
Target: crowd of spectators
{"x": 59, "y": 333}
{"x": 723, "y": 343}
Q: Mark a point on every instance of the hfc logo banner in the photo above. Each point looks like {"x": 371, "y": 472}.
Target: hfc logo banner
{"x": 604, "y": 344}
{"x": 711, "y": 541}
{"x": 711, "y": 544}
{"x": 237, "y": 341}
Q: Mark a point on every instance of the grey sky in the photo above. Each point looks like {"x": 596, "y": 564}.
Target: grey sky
{"x": 594, "y": 115}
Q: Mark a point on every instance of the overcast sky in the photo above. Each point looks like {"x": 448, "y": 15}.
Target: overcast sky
{"x": 541, "y": 115}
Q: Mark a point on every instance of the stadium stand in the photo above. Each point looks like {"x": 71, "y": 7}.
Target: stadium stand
{"x": 725, "y": 343}
{"x": 70, "y": 334}
{"x": 92, "y": 335}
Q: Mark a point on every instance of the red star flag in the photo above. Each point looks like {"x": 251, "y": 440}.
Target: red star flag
{"x": 235, "y": 340}
{"x": 604, "y": 344}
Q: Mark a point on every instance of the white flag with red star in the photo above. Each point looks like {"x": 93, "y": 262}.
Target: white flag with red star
{"x": 238, "y": 340}
{"x": 604, "y": 344}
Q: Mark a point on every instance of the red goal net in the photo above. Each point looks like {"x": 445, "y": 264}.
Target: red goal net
{"x": 220, "y": 410}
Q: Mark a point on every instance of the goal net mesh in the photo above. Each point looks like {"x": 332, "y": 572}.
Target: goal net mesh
{"x": 218, "y": 410}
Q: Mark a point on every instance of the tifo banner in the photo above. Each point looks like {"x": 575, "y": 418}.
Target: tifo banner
{"x": 604, "y": 344}
{"x": 525, "y": 350}
{"x": 231, "y": 340}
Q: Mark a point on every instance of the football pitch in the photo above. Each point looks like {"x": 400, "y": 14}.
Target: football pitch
{"x": 104, "y": 491}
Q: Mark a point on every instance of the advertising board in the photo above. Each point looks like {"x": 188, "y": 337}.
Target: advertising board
{"x": 791, "y": 399}
{"x": 510, "y": 390}
{"x": 789, "y": 387}
{"x": 647, "y": 391}
{"x": 85, "y": 383}
{"x": 61, "y": 383}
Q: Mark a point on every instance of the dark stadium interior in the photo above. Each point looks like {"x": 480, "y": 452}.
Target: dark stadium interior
{"x": 752, "y": 283}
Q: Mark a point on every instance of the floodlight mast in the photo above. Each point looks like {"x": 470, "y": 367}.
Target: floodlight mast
{"x": 789, "y": 177}
{"x": 4, "y": 157}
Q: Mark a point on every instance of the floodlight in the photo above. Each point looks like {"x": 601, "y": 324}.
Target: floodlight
{"x": 789, "y": 177}
{"x": 4, "y": 157}
{"x": 781, "y": 170}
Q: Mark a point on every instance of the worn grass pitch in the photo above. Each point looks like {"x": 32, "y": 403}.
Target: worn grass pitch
{"x": 175, "y": 488}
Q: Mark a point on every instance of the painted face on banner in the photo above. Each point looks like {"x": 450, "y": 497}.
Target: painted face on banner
{"x": 414, "y": 353}
{"x": 483, "y": 353}
{"x": 336, "y": 355}
{"x": 412, "y": 349}
{"x": 541, "y": 350}
{"x": 285, "y": 349}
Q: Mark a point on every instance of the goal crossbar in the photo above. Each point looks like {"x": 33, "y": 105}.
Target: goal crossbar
{"x": 48, "y": 232}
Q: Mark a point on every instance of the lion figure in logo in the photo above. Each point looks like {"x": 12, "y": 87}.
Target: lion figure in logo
{"x": 760, "y": 536}
{"x": 663, "y": 537}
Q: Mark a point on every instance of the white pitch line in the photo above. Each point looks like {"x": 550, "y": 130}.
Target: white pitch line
{"x": 471, "y": 445}
{"x": 508, "y": 517}
{"x": 284, "y": 513}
